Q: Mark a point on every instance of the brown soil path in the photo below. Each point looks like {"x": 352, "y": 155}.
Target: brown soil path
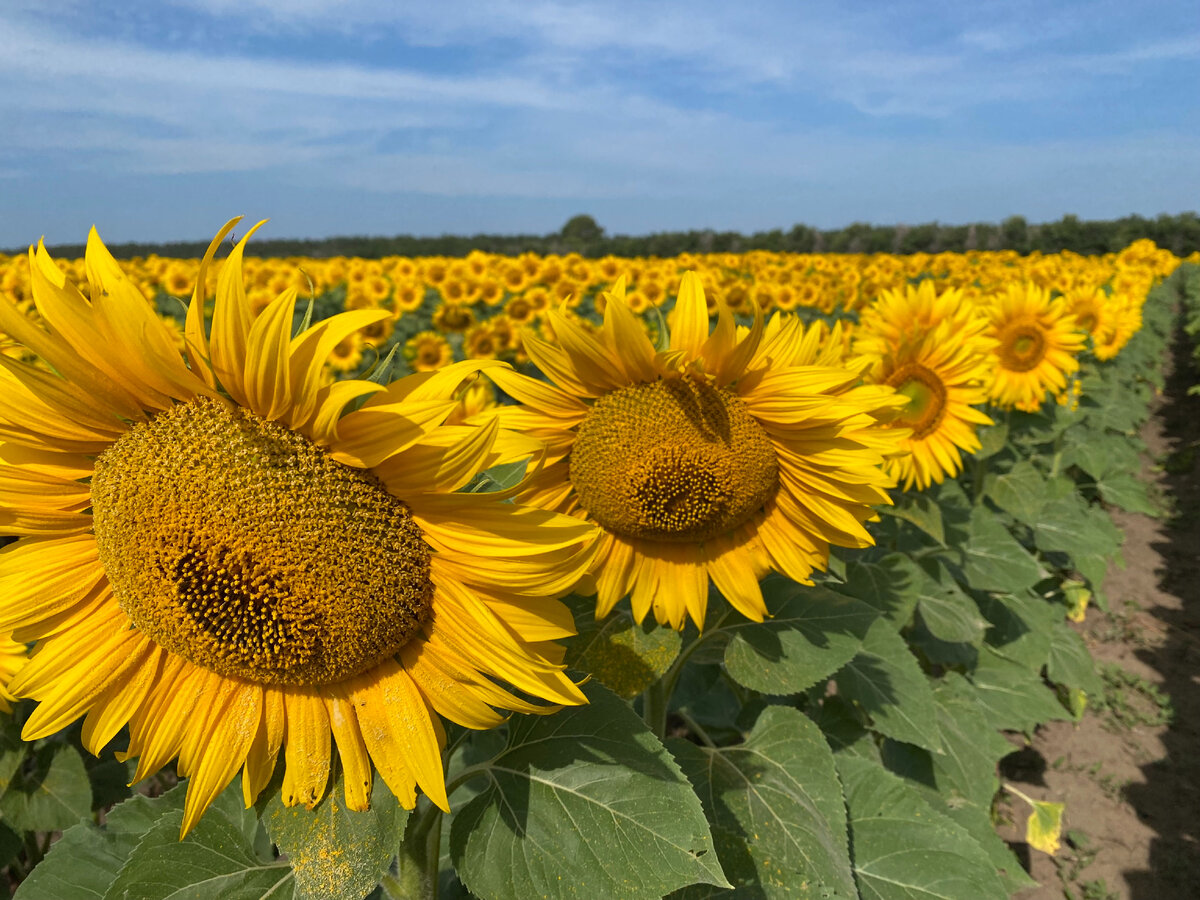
{"x": 1131, "y": 784}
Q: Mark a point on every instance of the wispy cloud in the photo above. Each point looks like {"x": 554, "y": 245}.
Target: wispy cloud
{"x": 753, "y": 107}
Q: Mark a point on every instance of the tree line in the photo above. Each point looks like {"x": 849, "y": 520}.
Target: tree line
{"x": 582, "y": 234}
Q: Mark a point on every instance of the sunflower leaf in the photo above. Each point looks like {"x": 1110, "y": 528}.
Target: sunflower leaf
{"x": 626, "y": 657}
{"x": 336, "y": 852}
{"x": 904, "y": 849}
{"x": 86, "y": 860}
{"x": 1011, "y": 695}
{"x": 49, "y": 792}
{"x": 885, "y": 679}
{"x": 993, "y": 560}
{"x": 775, "y": 802}
{"x": 812, "y": 633}
{"x": 216, "y": 859}
{"x": 586, "y": 802}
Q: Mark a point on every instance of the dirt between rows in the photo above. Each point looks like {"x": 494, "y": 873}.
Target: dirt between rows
{"x": 1129, "y": 773}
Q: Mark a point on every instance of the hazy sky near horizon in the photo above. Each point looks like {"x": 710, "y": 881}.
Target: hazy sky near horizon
{"x": 160, "y": 120}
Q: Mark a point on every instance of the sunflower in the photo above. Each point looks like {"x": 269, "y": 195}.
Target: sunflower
{"x": 1036, "y": 344}
{"x": 931, "y": 348}
{"x": 428, "y": 351}
{"x": 720, "y": 458}
{"x": 217, "y": 554}
{"x": 943, "y": 380}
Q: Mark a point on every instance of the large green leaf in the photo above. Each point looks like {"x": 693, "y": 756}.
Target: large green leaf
{"x": 886, "y": 680}
{"x": 1020, "y": 491}
{"x": 775, "y": 802}
{"x": 812, "y": 634}
{"x": 85, "y": 861}
{"x": 49, "y": 792}
{"x": 1070, "y": 664}
{"x": 218, "y": 858}
{"x": 1020, "y": 626}
{"x": 626, "y": 657}
{"x": 889, "y": 585}
{"x": 993, "y": 560}
{"x": 1068, "y": 525}
{"x": 903, "y": 849}
{"x": 586, "y": 802}
{"x": 922, "y": 511}
{"x": 1011, "y": 695}
{"x": 948, "y": 613}
{"x": 336, "y": 852}
{"x": 1127, "y": 491}
{"x": 965, "y": 774}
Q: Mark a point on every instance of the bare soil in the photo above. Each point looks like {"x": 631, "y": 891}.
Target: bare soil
{"x": 1129, "y": 773}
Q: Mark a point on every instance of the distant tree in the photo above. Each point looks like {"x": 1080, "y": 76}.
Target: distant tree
{"x": 581, "y": 231}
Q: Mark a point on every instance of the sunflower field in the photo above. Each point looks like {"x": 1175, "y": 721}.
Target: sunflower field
{"x": 717, "y": 575}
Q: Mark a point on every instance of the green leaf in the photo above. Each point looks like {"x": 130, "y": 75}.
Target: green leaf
{"x": 586, "y": 802}
{"x": 993, "y": 560}
{"x": 216, "y": 859}
{"x": 1099, "y": 453}
{"x": 887, "y": 585}
{"x": 992, "y": 440}
{"x": 626, "y": 657}
{"x": 886, "y": 680}
{"x": 1011, "y": 695}
{"x": 948, "y": 613}
{"x": 922, "y": 511}
{"x": 1020, "y": 626}
{"x": 1070, "y": 663}
{"x": 776, "y": 806}
{"x": 903, "y": 849}
{"x": 1068, "y": 525}
{"x": 336, "y": 852}
{"x": 965, "y": 774}
{"x": 86, "y": 860}
{"x": 813, "y": 633}
{"x": 50, "y": 792}
{"x": 1020, "y": 491}
{"x": 1127, "y": 491}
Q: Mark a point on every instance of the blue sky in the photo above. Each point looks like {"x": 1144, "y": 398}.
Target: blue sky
{"x": 159, "y": 120}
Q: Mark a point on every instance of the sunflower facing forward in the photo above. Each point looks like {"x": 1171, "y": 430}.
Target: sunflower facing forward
{"x": 719, "y": 458}
{"x": 1036, "y": 345}
{"x": 224, "y": 558}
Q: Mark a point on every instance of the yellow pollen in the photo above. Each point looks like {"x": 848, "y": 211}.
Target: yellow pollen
{"x": 926, "y": 399}
{"x": 672, "y": 460}
{"x": 241, "y": 546}
{"x": 1022, "y": 348}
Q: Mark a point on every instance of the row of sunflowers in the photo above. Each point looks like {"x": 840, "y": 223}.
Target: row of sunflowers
{"x": 244, "y": 545}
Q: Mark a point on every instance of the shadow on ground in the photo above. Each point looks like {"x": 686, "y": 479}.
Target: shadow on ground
{"x": 1169, "y": 798}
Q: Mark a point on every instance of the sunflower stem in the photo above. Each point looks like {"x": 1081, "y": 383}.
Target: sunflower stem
{"x": 420, "y": 854}
{"x": 654, "y": 707}
{"x": 656, "y": 700}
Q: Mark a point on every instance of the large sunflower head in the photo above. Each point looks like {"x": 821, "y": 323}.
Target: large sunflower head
{"x": 724, "y": 455}
{"x": 217, "y": 552}
{"x": 1036, "y": 346}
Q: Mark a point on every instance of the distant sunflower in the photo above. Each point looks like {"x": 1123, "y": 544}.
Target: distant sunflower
{"x": 1036, "y": 344}
{"x": 221, "y": 556}
{"x": 719, "y": 458}
{"x": 428, "y": 351}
